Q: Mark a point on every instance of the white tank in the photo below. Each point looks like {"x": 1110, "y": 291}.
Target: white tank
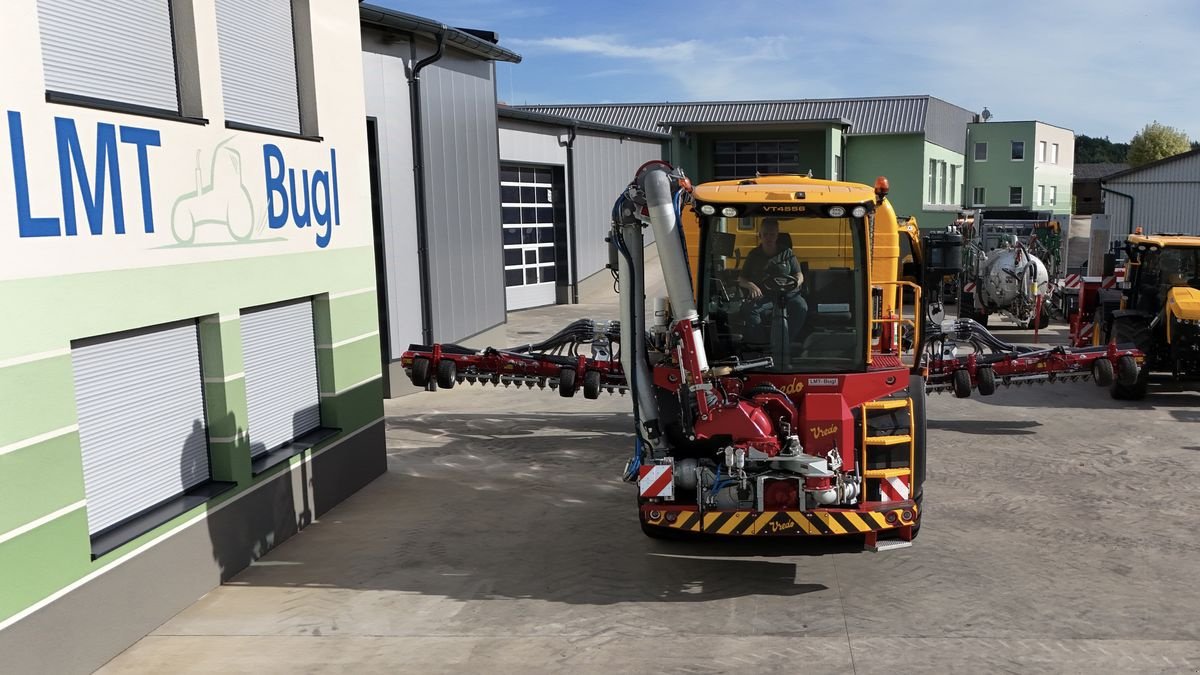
{"x": 1009, "y": 274}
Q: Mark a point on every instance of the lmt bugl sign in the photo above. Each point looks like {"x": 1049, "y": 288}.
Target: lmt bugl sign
{"x": 308, "y": 199}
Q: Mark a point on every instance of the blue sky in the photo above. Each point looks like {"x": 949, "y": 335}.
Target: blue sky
{"x": 1099, "y": 67}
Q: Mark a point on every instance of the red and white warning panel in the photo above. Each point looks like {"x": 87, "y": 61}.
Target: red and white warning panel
{"x": 657, "y": 480}
{"x": 969, "y": 287}
{"x": 1073, "y": 281}
{"x": 893, "y": 489}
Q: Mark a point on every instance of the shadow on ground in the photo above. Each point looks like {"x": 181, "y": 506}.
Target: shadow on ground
{"x": 519, "y": 505}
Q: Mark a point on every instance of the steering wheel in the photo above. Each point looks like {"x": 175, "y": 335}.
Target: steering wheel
{"x": 780, "y": 283}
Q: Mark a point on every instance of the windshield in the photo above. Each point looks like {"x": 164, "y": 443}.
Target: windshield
{"x": 789, "y": 288}
{"x": 1158, "y": 272}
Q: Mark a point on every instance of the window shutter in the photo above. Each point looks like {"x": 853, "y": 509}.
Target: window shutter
{"x": 280, "y": 360}
{"x": 258, "y": 63}
{"x": 140, "y": 403}
{"x": 117, "y": 50}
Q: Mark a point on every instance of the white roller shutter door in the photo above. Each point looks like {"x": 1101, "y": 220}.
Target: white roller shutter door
{"x": 258, "y": 63}
{"x": 116, "y": 50}
{"x": 279, "y": 354}
{"x": 140, "y": 402}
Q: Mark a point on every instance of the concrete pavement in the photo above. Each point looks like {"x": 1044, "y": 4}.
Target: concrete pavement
{"x": 1057, "y": 538}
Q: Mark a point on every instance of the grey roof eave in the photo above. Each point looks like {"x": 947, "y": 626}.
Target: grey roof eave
{"x": 774, "y": 124}
{"x": 372, "y": 15}
{"x": 543, "y": 118}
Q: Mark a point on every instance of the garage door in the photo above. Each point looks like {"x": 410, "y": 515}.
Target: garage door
{"x": 528, "y": 198}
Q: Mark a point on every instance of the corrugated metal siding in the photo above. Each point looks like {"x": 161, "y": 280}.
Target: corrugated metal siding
{"x": 900, "y": 115}
{"x": 462, "y": 190}
{"x": 1166, "y": 198}
{"x": 387, "y": 100}
{"x": 522, "y": 142}
{"x": 604, "y": 165}
{"x": 946, "y": 124}
{"x": 1158, "y": 207}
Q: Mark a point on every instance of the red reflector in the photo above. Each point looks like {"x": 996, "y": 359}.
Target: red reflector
{"x": 906, "y": 515}
{"x": 655, "y": 515}
{"x": 672, "y": 516}
{"x": 890, "y": 517}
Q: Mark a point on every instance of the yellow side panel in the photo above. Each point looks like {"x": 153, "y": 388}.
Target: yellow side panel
{"x": 1184, "y": 303}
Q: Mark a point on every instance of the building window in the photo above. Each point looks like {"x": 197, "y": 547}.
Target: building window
{"x": 117, "y": 54}
{"x": 933, "y": 167}
{"x": 1054, "y": 153}
{"x": 1053, "y": 195}
{"x": 142, "y": 428}
{"x": 266, "y": 65}
{"x": 280, "y": 361}
{"x": 1015, "y": 196}
{"x": 981, "y": 152}
{"x": 977, "y": 197}
{"x": 942, "y": 183}
{"x": 953, "y": 184}
{"x": 747, "y": 159}
{"x": 1018, "y": 150}
{"x": 1041, "y": 156}
{"x": 1040, "y": 195}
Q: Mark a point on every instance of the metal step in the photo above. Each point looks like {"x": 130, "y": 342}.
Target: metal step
{"x": 887, "y": 404}
{"x": 887, "y": 473}
{"x": 888, "y": 545}
{"x": 889, "y": 440}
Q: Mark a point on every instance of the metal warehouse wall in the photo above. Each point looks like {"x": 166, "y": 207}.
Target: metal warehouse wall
{"x": 528, "y": 143}
{"x": 462, "y": 188}
{"x": 1166, "y": 198}
{"x": 604, "y": 165}
{"x": 388, "y": 102}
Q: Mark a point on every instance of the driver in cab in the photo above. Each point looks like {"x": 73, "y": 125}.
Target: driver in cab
{"x": 765, "y": 262}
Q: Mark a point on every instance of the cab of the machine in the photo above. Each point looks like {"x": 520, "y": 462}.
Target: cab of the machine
{"x": 783, "y": 267}
{"x": 1164, "y": 275}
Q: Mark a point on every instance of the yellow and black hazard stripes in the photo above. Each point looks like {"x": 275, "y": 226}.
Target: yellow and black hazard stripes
{"x": 788, "y": 522}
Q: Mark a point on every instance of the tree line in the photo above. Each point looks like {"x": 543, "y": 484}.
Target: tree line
{"x": 1154, "y": 142}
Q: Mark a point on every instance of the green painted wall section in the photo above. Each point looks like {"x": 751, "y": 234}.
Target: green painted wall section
{"x": 999, "y": 172}
{"x": 107, "y": 302}
{"x": 38, "y": 480}
{"x": 939, "y": 210}
{"x": 897, "y": 157}
{"x": 33, "y": 400}
{"x": 42, "y": 561}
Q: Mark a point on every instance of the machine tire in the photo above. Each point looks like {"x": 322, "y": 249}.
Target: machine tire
{"x": 919, "y": 428}
{"x": 1102, "y": 372}
{"x": 962, "y": 383}
{"x": 1127, "y": 371}
{"x": 447, "y": 370}
{"x": 1126, "y": 330}
{"x": 987, "y": 380}
{"x": 566, "y": 382}
{"x": 591, "y": 384}
{"x": 1041, "y": 322}
{"x": 420, "y": 372}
